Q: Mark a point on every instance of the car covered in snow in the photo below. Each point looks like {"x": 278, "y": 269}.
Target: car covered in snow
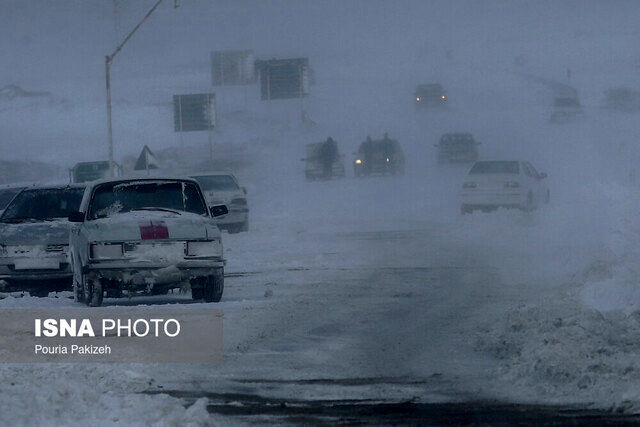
{"x": 34, "y": 239}
{"x": 145, "y": 235}
{"x": 222, "y": 188}
{"x": 457, "y": 148}
{"x": 496, "y": 184}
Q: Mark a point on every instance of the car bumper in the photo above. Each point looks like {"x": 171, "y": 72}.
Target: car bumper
{"x": 143, "y": 274}
{"x": 35, "y": 269}
{"x": 494, "y": 199}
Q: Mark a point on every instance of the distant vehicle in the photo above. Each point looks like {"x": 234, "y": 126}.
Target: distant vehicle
{"x": 315, "y": 163}
{"x": 34, "y": 237}
{"x": 503, "y": 184}
{"x": 7, "y": 193}
{"x": 566, "y": 109}
{"x": 430, "y": 95}
{"x": 379, "y": 156}
{"x": 222, "y": 188}
{"x": 145, "y": 235}
{"x": 457, "y": 148}
{"x": 92, "y": 171}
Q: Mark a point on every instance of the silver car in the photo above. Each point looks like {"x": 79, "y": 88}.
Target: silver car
{"x": 145, "y": 235}
{"x": 34, "y": 239}
{"x": 222, "y": 188}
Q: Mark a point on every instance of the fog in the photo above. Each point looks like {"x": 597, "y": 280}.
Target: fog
{"x": 500, "y": 279}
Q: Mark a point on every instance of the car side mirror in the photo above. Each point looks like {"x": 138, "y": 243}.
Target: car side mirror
{"x": 542, "y": 175}
{"x": 219, "y": 210}
{"x": 244, "y": 190}
{"x": 76, "y": 217}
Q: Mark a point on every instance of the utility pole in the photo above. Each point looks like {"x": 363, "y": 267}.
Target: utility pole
{"x": 108, "y": 60}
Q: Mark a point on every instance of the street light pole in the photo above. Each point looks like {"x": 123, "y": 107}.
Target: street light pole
{"x": 107, "y": 67}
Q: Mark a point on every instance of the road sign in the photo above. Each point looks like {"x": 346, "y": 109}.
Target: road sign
{"x": 146, "y": 160}
{"x": 232, "y": 67}
{"x": 194, "y": 112}
{"x": 283, "y": 78}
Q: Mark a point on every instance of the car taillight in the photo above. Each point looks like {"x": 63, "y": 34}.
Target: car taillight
{"x": 512, "y": 184}
{"x": 469, "y": 185}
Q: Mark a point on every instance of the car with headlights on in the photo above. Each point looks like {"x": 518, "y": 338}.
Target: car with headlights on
{"x": 34, "y": 239}
{"x": 379, "y": 156}
{"x": 222, "y": 188}
{"x": 430, "y": 96}
{"x": 145, "y": 235}
{"x": 494, "y": 184}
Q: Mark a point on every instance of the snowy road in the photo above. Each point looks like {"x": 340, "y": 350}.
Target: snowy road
{"x": 344, "y": 297}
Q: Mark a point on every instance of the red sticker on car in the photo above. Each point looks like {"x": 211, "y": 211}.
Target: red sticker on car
{"x": 154, "y": 230}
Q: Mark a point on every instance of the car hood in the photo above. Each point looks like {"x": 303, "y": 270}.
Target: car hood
{"x": 54, "y": 232}
{"x": 223, "y": 197}
{"x": 151, "y": 225}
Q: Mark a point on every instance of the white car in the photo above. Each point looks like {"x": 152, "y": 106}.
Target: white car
{"x": 222, "y": 188}
{"x": 145, "y": 235}
{"x": 496, "y": 184}
{"x": 34, "y": 238}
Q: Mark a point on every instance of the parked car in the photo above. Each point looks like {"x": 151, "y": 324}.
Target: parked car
{"x": 34, "y": 239}
{"x": 148, "y": 235}
{"x": 457, "y": 148}
{"x": 430, "y": 95}
{"x": 92, "y": 171}
{"x": 504, "y": 184}
{"x": 222, "y": 188}
{"x": 379, "y": 156}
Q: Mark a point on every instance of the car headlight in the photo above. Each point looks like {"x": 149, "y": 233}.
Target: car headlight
{"x": 106, "y": 251}
{"x": 358, "y": 161}
{"x": 203, "y": 248}
{"x": 418, "y": 98}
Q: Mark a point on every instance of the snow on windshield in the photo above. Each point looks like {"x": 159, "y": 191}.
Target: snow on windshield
{"x": 109, "y": 199}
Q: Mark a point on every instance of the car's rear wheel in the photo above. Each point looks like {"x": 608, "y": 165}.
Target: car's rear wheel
{"x": 214, "y": 286}
{"x": 93, "y": 293}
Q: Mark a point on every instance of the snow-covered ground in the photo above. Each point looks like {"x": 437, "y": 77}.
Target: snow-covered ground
{"x": 379, "y": 282}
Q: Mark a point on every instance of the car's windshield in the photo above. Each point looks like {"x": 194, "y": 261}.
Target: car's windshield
{"x": 7, "y": 195}
{"x": 216, "y": 182}
{"x": 119, "y": 197}
{"x": 494, "y": 167}
{"x": 42, "y": 204}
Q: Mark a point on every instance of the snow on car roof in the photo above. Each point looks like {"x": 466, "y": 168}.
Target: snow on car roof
{"x": 211, "y": 173}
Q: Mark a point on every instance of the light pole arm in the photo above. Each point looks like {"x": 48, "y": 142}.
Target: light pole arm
{"x": 107, "y": 68}
{"x": 126, "y": 39}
